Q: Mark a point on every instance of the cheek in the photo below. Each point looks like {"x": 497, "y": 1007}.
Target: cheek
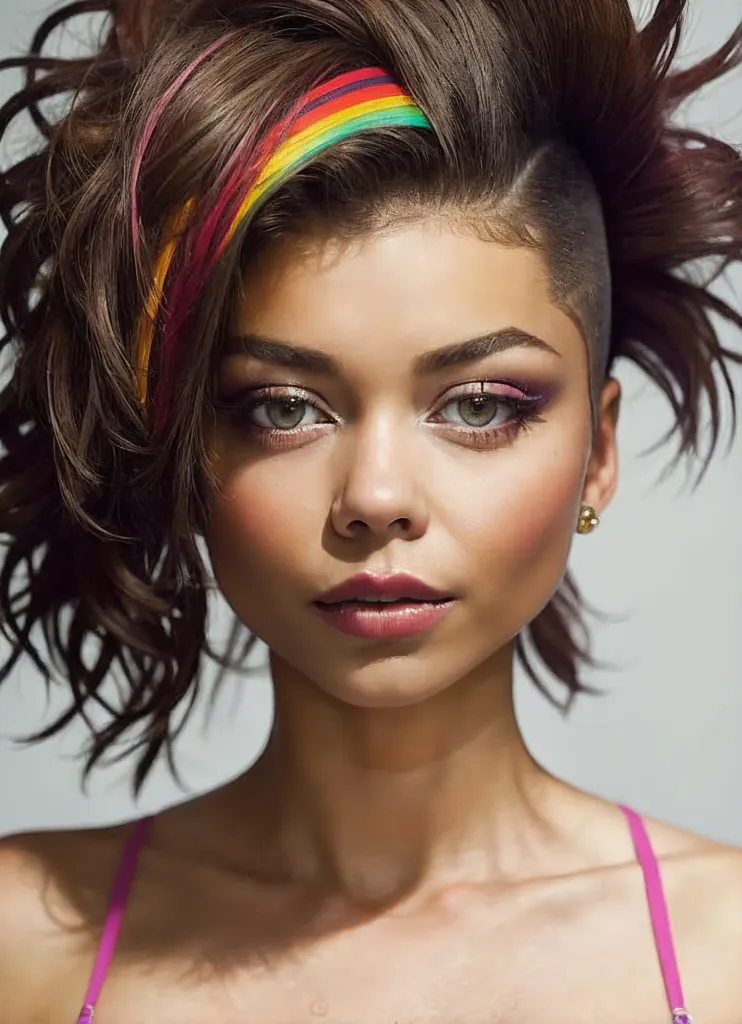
{"x": 517, "y": 519}
{"x": 540, "y": 512}
{"x": 254, "y": 529}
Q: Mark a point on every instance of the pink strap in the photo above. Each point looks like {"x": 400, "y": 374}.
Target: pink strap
{"x": 658, "y": 912}
{"x": 645, "y": 854}
{"x": 114, "y": 917}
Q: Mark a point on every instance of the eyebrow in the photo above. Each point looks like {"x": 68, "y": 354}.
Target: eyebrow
{"x": 281, "y": 353}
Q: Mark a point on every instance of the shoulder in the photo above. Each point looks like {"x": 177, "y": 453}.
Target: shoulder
{"x": 703, "y": 883}
{"x": 696, "y": 862}
{"x": 54, "y": 891}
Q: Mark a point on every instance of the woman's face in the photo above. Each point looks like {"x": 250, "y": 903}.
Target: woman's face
{"x": 416, "y": 404}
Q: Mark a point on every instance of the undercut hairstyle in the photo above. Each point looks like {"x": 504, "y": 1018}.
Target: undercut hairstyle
{"x": 552, "y": 127}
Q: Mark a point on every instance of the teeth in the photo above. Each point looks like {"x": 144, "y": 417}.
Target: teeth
{"x": 380, "y": 600}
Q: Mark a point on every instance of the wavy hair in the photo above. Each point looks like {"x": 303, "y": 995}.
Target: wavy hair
{"x": 558, "y": 116}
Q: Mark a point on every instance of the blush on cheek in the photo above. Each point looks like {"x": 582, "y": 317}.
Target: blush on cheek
{"x": 543, "y": 520}
{"x": 248, "y": 528}
{"x": 262, "y": 532}
{"x": 249, "y": 558}
{"x": 520, "y": 537}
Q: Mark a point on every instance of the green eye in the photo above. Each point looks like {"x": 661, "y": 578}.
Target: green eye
{"x": 286, "y": 413}
{"x": 478, "y": 411}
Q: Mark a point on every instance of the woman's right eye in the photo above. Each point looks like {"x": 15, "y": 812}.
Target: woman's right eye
{"x": 284, "y": 414}
{"x": 272, "y": 410}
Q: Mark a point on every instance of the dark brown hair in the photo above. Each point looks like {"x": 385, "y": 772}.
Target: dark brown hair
{"x": 553, "y": 117}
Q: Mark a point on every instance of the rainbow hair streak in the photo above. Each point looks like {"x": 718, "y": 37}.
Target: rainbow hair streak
{"x": 347, "y": 104}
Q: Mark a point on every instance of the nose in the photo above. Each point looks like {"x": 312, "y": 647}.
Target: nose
{"x": 380, "y": 494}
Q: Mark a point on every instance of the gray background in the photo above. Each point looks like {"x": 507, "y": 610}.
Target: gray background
{"x": 667, "y": 562}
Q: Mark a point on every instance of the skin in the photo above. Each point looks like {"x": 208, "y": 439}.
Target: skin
{"x": 397, "y": 854}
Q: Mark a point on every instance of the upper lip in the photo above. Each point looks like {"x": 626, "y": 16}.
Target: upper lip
{"x": 395, "y": 586}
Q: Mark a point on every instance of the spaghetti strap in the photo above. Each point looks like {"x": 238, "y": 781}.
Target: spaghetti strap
{"x": 657, "y": 903}
{"x": 114, "y": 917}
{"x": 659, "y": 915}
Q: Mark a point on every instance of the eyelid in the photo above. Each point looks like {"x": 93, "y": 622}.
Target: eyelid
{"x": 265, "y": 393}
{"x": 507, "y": 390}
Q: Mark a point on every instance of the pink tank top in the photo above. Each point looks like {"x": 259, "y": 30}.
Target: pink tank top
{"x": 645, "y": 855}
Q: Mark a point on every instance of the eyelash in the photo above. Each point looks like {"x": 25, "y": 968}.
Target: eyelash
{"x": 524, "y": 408}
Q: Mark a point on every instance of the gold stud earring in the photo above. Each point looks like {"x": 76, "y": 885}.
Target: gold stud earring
{"x": 589, "y": 519}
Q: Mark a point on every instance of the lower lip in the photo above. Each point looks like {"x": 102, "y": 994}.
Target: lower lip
{"x": 384, "y": 621}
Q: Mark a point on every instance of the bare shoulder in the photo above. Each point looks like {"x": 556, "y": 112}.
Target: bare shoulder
{"x": 703, "y": 882}
{"x": 692, "y": 857}
{"x": 53, "y": 893}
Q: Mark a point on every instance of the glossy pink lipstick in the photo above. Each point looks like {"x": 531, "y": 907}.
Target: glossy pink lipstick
{"x": 390, "y": 607}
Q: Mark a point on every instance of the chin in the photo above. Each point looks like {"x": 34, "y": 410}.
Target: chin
{"x": 396, "y": 680}
{"x": 378, "y": 695}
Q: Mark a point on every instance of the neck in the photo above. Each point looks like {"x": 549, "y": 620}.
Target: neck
{"x": 377, "y": 803}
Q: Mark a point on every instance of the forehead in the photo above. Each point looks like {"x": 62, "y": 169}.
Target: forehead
{"x": 400, "y": 293}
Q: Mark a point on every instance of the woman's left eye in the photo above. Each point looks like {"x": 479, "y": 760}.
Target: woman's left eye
{"x": 479, "y": 411}
{"x": 486, "y": 412}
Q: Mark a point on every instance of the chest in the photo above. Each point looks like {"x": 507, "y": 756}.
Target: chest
{"x": 525, "y": 967}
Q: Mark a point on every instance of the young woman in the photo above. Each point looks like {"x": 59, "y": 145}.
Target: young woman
{"x": 326, "y": 294}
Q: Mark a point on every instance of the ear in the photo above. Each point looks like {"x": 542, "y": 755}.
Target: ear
{"x": 601, "y": 478}
{"x": 134, "y": 22}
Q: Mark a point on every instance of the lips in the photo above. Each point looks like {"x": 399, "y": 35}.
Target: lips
{"x": 394, "y": 607}
{"x": 396, "y": 587}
